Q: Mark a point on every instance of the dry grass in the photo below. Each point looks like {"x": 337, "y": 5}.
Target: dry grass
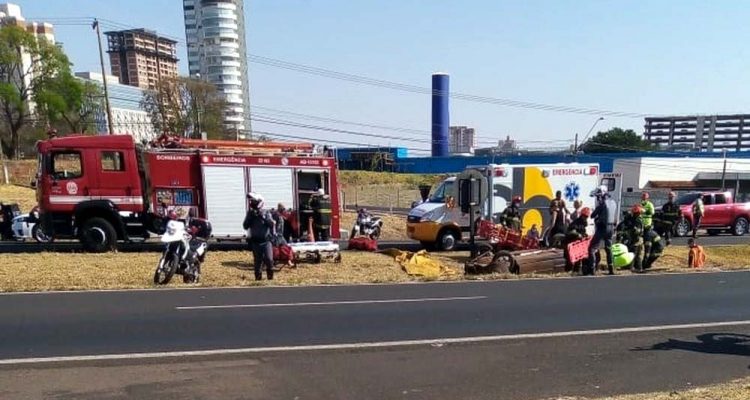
{"x": 25, "y": 197}
{"x": 66, "y": 271}
{"x": 63, "y": 271}
{"x": 394, "y": 226}
{"x": 717, "y": 257}
{"x": 735, "y": 390}
{"x": 387, "y": 178}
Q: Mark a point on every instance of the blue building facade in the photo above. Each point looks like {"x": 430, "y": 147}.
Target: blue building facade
{"x": 441, "y": 165}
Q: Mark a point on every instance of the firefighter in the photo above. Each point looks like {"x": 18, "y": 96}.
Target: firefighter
{"x": 558, "y": 211}
{"x": 605, "y": 220}
{"x": 511, "y": 216}
{"x": 631, "y": 234}
{"x": 647, "y": 215}
{"x": 260, "y": 230}
{"x": 320, "y": 203}
{"x": 671, "y": 213}
{"x": 653, "y": 247}
{"x": 576, "y": 231}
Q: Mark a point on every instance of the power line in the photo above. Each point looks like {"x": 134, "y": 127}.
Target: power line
{"x": 327, "y": 73}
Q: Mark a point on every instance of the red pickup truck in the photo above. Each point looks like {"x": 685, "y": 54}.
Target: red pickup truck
{"x": 719, "y": 213}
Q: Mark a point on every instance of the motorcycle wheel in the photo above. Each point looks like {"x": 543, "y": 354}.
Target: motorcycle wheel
{"x": 166, "y": 269}
{"x": 194, "y": 275}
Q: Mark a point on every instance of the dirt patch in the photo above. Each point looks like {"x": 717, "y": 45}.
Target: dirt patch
{"x": 64, "y": 271}
{"x": 70, "y": 271}
{"x": 735, "y": 390}
{"x": 394, "y": 226}
{"x": 24, "y": 196}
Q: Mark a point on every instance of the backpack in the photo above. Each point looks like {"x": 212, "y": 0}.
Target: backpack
{"x": 363, "y": 243}
{"x": 283, "y": 253}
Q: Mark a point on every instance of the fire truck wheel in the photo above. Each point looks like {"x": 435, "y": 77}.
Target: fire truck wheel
{"x": 98, "y": 235}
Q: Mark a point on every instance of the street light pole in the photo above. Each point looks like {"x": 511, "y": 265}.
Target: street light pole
{"x": 104, "y": 78}
{"x": 588, "y": 133}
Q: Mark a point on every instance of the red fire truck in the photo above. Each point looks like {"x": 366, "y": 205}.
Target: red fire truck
{"x": 105, "y": 189}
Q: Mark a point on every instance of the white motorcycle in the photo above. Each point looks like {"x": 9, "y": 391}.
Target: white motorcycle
{"x": 183, "y": 253}
{"x": 367, "y": 225}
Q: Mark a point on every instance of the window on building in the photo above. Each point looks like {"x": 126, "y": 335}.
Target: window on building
{"x": 112, "y": 161}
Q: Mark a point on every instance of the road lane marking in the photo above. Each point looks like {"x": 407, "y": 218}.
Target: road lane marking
{"x": 366, "y": 345}
{"x": 331, "y": 303}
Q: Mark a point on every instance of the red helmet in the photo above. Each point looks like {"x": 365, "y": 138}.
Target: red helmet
{"x": 586, "y": 212}
{"x": 645, "y": 196}
{"x": 636, "y": 210}
{"x": 516, "y": 199}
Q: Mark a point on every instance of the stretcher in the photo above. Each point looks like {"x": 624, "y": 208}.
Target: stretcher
{"x": 316, "y": 252}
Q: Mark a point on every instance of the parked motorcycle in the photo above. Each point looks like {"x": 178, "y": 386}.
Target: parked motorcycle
{"x": 184, "y": 251}
{"x": 367, "y": 225}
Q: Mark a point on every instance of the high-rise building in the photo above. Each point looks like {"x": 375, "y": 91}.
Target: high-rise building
{"x": 712, "y": 133}
{"x": 462, "y": 140}
{"x": 10, "y": 14}
{"x": 141, "y": 57}
{"x": 215, "y": 31}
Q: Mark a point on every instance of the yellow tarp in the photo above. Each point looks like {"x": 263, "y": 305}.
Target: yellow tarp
{"x": 419, "y": 263}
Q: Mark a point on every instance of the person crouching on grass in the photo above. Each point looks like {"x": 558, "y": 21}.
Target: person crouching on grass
{"x": 696, "y": 255}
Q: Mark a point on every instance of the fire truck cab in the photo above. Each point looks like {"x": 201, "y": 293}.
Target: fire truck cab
{"x": 105, "y": 189}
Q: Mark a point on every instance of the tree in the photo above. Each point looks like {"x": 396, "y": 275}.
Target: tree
{"x": 616, "y": 140}
{"x": 72, "y": 103}
{"x": 186, "y": 107}
{"x": 27, "y": 67}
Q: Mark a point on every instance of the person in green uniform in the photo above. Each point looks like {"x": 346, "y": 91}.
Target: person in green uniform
{"x": 631, "y": 234}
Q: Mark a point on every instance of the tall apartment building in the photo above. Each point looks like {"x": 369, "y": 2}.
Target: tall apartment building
{"x": 700, "y": 133}
{"x": 141, "y": 57}
{"x": 215, "y": 31}
{"x": 462, "y": 140}
{"x": 10, "y": 14}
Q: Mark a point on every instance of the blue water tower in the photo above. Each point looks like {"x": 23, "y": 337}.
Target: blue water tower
{"x": 440, "y": 115}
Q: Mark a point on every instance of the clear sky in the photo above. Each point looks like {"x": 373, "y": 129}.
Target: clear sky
{"x": 651, "y": 57}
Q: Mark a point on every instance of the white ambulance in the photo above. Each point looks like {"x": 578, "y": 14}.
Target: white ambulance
{"x": 438, "y": 223}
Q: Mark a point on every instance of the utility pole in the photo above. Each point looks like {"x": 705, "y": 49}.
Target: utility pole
{"x": 575, "y": 146}
{"x": 104, "y": 77}
{"x": 724, "y": 170}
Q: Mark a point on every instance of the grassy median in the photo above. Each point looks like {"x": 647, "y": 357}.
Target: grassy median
{"x": 734, "y": 390}
{"x": 71, "y": 271}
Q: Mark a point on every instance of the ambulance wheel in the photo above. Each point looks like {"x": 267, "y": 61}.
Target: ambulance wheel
{"x": 739, "y": 227}
{"x": 682, "y": 228}
{"x": 98, "y": 235}
{"x": 447, "y": 240}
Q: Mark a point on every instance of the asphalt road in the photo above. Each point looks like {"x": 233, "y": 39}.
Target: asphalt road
{"x": 599, "y": 335}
